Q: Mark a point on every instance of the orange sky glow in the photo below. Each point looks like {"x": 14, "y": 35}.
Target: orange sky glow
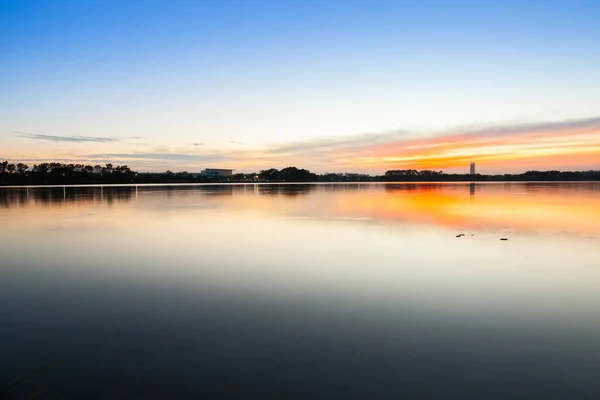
{"x": 557, "y": 150}
{"x": 566, "y": 145}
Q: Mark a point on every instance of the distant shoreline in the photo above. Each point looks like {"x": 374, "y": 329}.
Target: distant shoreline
{"x": 92, "y": 185}
{"x": 57, "y": 174}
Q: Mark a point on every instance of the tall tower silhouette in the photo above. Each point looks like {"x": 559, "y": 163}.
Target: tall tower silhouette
{"x": 472, "y": 169}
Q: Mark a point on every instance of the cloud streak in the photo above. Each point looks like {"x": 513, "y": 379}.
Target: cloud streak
{"x": 539, "y": 127}
{"x": 157, "y": 156}
{"x": 347, "y": 142}
{"x": 562, "y": 145}
{"x": 546, "y": 145}
{"x": 56, "y": 138}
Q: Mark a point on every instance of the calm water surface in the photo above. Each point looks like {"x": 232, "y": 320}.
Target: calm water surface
{"x": 301, "y": 291}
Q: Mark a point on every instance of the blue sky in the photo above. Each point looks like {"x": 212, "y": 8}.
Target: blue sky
{"x": 229, "y": 81}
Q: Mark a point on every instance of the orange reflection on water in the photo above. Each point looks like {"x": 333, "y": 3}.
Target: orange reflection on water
{"x": 566, "y": 208}
{"x": 571, "y": 208}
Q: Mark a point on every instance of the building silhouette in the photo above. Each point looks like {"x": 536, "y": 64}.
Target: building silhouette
{"x": 214, "y": 172}
{"x": 472, "y": 168}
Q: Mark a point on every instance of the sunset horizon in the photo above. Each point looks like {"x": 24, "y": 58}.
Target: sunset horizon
{"x": 572, "y": 145}
{"x": 331, "y": 86}
{"x": 300, "y": 199}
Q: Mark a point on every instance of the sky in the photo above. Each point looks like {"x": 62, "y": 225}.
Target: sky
{"x": 327, "y": 85}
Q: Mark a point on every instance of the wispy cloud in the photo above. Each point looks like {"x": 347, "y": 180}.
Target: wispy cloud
{"x": 346, "y": 142}
{"x": 235, "y": 142}
{"x": 567, "y": 144}
{"x": 538, "y": 127}
{"x": 37, "y": 160}
{"x": 157, "y": 156}
{"x": 56, "y": 138}
{"x": 372, "y": 141}
{"x": 552, "y": 144}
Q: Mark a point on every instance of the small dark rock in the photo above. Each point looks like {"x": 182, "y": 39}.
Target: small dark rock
{"x": 503, "y": 239}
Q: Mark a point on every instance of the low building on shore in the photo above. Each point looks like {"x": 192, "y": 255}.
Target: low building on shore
{"x": 216, "y": 172}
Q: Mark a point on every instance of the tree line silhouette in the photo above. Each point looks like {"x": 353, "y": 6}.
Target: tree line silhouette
{"x": 411, "y": 175}
{"x": 56, "y": 174}
{"x": 69, "y": 174}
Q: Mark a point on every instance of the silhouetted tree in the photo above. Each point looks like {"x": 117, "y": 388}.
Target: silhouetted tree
{"x": 22, "y": 168}
{"x": 269, "y": 175}
{"x": 293, "y": 174}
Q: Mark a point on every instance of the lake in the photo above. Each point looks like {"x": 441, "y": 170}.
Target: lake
{"x": 301, "y": 291}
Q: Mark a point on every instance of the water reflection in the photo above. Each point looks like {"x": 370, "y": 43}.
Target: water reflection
{"x": 285, "y": 190}
{"x": 565, "y": 207}
{"x": 305, "y": 291}
{"x": 47, "y": 196}
{"x": 33, "y": 196}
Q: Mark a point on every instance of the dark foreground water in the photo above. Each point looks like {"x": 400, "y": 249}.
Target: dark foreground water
{"x": 301, "y": 291}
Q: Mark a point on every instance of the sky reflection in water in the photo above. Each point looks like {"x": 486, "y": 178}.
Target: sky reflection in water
{"x": 317, "y": 290}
